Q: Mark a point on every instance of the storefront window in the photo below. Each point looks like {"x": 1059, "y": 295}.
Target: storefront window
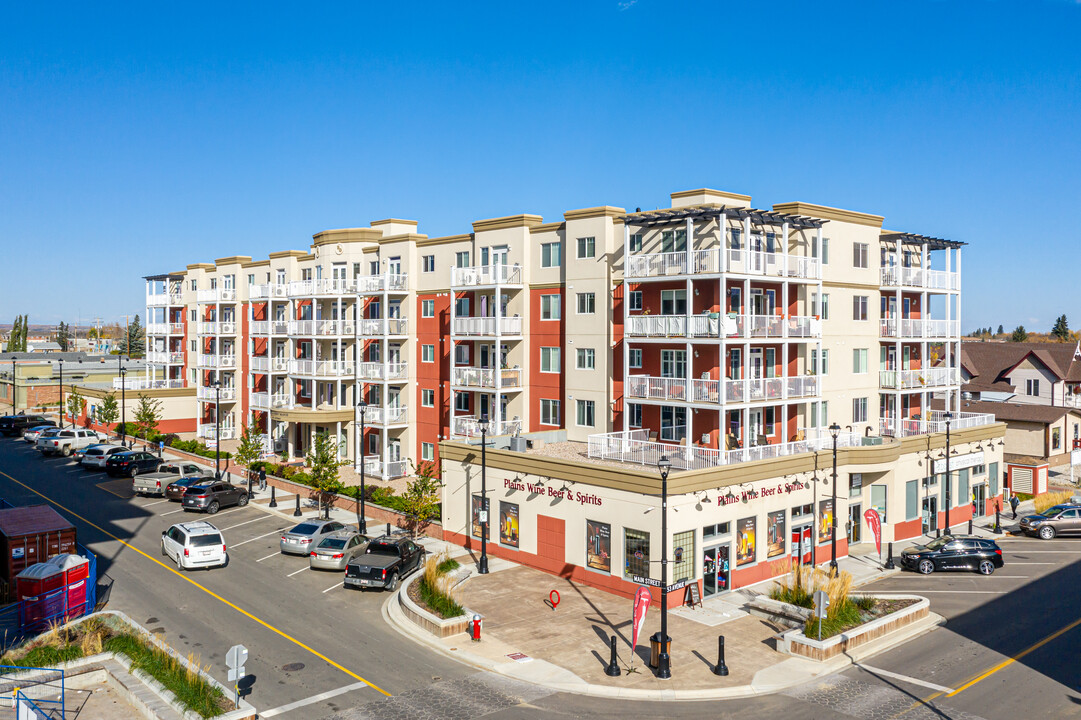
{"x": 635, "y": 553}
{"x": 992, "y": 477}
{"x": 508, "y": 523}
{"x": 711, "y": 531}
{"x": 745, "y": 541}
{"x": 599, "y": 546}
{"x": 801, "y": 511}
{"x": 683, "y": 554}
{"x": 775, "y": 533}
{"x": 855, "y": 484}
{"x": 878, "y": 501}
{"x": 912, "y": 500}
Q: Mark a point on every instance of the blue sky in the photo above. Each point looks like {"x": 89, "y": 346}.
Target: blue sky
{"x": 137, "y": 138}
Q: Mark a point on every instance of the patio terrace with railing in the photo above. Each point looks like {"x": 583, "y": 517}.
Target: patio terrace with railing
{"x": 933, "y": 422}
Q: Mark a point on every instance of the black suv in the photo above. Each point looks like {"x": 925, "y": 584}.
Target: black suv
{"x": 131, "y": 463}
{"x": 211, "y": 495}
{"x": 953, "y": 553}
{"x": 15, "y": 424}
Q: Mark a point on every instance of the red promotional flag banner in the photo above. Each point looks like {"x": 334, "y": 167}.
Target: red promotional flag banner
{"x": 875, "y": 523}
{"x": 642, "y": 598}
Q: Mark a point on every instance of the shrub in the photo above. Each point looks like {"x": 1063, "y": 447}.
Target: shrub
{"x": 843, "y": 611}
{"x": 1042, "y": 502}
{"x": 435, "y": 590}
{"x": 190, "y": 689}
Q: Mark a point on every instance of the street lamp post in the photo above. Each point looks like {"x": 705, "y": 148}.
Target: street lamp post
{"x": 217, "y": 430}
{"x": 61, "y": 361}
{"x": 482, "y": 567}
{"x": 123, "y": 404}
{"x": 835, "y": 430}
{"x": 664, "y": 662}
{"x": 14, "y": 395}
{"x": 949, "y": 488}
{"x": 362, "y": 524}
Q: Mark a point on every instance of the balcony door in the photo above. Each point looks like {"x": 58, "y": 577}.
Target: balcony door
{"x": 674, "y": 363}
{"x": 394, "y": 266}
{"x": 337, "y": 272}
{"x": 500, "y": 255}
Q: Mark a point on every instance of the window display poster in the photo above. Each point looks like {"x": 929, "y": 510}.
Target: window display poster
{"x": 825, "y": 519}
{"x": 745, "y": 541}
{"x": 508, "y": 523}
{"x": 775, "y": 525}
{"x": 599, "y": 545}
{"x": 478, "y": 505}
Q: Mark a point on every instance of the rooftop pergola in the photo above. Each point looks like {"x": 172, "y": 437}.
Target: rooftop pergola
{"x": 674, "y": 216}
{"x": 932, "y": 243}
{"x": 164, "y": 276}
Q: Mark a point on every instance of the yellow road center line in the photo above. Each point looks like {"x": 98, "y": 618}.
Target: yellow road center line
{"x": 209, "y": 592}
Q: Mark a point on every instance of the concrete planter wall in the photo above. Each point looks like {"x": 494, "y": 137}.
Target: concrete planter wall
{"x": 779, "y": 613}
{"x": 422, "y": 618}
{"x": 794, "y": 642}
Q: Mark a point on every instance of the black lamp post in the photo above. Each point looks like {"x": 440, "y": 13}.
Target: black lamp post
{"x": 14, "y": 396}
{"x": 949, "y": 485}
{"x": 835, "y": 430}
{"x": 482, "y": 567}
{"x": 217, "y": 430}
{"x": 61, "y": 361}
{"x": 362, "y": 524}
{"x": 664, "y": 662}
{"x": 123, "y": 403}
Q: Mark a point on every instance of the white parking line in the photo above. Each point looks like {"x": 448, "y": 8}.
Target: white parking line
{"x": 312, "y": 700}
{"x": 1043, "y": 552}
{"x": 172, "y": 512}
{"x": 960, "y": 592}
{"x": 333, "y": 587}
{"x": 897, "y": 676}
{"x": 297, "y": 572}
{"x": 156, "y": 502}
{"x": 272, "y": 532}
{"x": 247, "y": 522}
{"x": 274, "y": 554}
{"x": 1024, "y": 562}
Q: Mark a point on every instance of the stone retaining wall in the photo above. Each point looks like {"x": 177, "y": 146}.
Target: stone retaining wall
{"x": 794, "y": 642}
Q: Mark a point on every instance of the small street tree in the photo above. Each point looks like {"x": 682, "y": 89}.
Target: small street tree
{"x": 1061, "y": 330}
{"x": 108, "y": 411}
{"x": 147, "y": 415}
{"x": 421, "y": 498}
{"x": 251, "y": 444}
{"x": 75, "y": 404}
{"x": 1019, "y": 334}
{"x": 322, "y": 458}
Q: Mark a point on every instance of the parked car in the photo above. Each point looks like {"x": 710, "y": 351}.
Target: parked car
{"x": 32, "y": 434}
{"x": 15, "y": 424}
{"x": 96, "y": 455}
{"x": 335, "y": 551}
{"x": 1056, "y": 520}
{"x": 194, "y": 544}
{"x": 298, "y": 541}
{"x": 213, "y": 495}
{"x": 131, "y": 463}
{"x": 157, "y": 482}
{"x": 953, "y": 553}
{"x": 384, "y": 563}
{"x": 45, "y": 435}
{"x": 68, "y": 441}
{"x": 176, "y": 489}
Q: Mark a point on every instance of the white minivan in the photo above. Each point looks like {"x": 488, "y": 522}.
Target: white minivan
{"x": 194, "y": 545}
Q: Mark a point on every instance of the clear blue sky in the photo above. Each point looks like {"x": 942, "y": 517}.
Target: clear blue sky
{"x": 139, "y": 137}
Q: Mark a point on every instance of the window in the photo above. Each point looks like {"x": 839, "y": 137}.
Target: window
{"x": 719, "y": 529}
{"x": 859, "y": 255}
{"x": 825, "y": 255}
{"x": 427, "y": 263}
{"x": 855, "y": 485}
{"x": 912, "y": 500}
{"x": 461, "y": 402}
{"x": 1032, "y": 387}
{"x": 684, "y": 555}
{"x": 636, "y": 243}
{"x": 551, "y": 308}
{"x": 461, "y": 307}
{"x": 549, "y": 412}
{"x": 587, "y": 247}
{"x": 635, "y": 553}
{"x": 373, "y": 267}
{"x": 427, "y": 451}
{"x": 427, "y": 308}
{"x": 673, "y": 302}
{"x": 587, "y": 303}
{"x": 859, "y": 361}
{"x": 825, "y": 364}
{"x": 859, "y": 410}
{"x": 461, "y": 354}
{"x": 587, "y": 359}
{"x": 194, "y": 285}
{"x": 1056, "y": 438}
{"x": 636, "y": 415}
{"x": 427, "y": 397}
{"x": 992, "y": 478}
{"x": 551, "y": 254}
{"x": 820, "y": 305}
{"x": 251, "y": 278}
{"x": 673, "y": 423}
{"x": 635, "y": 357}
{"x": 461, "y": 259}
{"x": 673, "y": 241}
{"x": 586, "y": 409}
{"x": 635, "y": 301}
{"x": 549, "y": 359}
{"x": 859, "y": 307}
{"x": 427, "y": 353}
{"x": 356, "y": 270}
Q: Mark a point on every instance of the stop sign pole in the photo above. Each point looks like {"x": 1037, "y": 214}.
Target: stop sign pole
{"x": 235, "y": 659}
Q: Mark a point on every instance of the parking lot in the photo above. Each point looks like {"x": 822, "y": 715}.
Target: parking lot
{"x": 313, "y": 641}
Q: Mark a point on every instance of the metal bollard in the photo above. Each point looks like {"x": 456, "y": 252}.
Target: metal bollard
{"x": 720, "y": 668}
{"x": 296, "y": 513}
{"x": 889, "y": 558}
{"x": 273, "y": 500}
{"x": 970, "y": 526}
{"x": 388, "y": 529}
{"x": 249, "y": 485}
{"x": 998, "y": 522}
{"x": 613, "y": 667}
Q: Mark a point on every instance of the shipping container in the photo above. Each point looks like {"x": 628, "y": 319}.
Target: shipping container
{"x": 32, "y": 534}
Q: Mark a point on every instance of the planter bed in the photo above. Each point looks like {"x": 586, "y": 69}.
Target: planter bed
{"x": 417, "y": 612}
{"x": 897, "y": 612}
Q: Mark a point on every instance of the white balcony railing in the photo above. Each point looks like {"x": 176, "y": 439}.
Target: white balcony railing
{"x": 159, "y": 357}
{"x": 267, "y": 291}
{"x": 321, "y": 368}
{"x": 933, "y": 421}
{"x": 486, "y": 326}
{"x": 657, "y": 388}
{"x": 133, "y": 383}
{"x": 920, "y": 278}
{"x": 916, "y": 379}
{"x": 919, "y": 328}
{"x": 210, "y": 394}
{"x": 486, "y": 377}
{"x": 322, "y": 287}
{"x": 215, "y": 295}
{"x": 209, "y": 431}
{"x": 469, "y": 426}
{"x": 710, "y": 326}
{"x": 315, "y": 328}
{"x": 374, "y": 467}
{"x": 753, "y": 262}
{"x": 699, "y": 262}
{"x": 260, "y": 364}
{"x": 374, "y": 415}
{"x": 382, "y": 371}
{"x": 387, "y": 282}
{"x": 225, "y": 327}
{"x": 217, "y": 361}
{"x": 266, "y": 401}
{"x": 164, "y": 299}
{"x": 495, "y": 274}
{"x": 369, "y": 327}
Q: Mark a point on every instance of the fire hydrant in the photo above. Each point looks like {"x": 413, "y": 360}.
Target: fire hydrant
{"x": 476, "y": 628}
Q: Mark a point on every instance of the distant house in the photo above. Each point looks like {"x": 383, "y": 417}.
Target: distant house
{"x": 45, "y": 346}
{"x": 1027, "y": 373}
{"x": 1036, "y": 432}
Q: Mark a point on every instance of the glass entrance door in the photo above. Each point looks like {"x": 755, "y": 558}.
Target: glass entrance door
{"x": 930, "y": 514}
{"x": 715, "y": 571}
{"x": 855, "y": 523}
{"x": 979, "y": 499}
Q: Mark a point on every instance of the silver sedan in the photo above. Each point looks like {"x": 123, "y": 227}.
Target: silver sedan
{"x": 301, "y": 539}
{"x": 335, "y": 552}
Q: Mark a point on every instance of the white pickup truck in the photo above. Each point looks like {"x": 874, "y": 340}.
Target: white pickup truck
{"x": 156, "y": 483}
{"x": 68, "y": 441}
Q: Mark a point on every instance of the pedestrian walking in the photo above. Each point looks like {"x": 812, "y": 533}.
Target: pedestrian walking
{"x": 1014, "y": 502}
{"x": 262, "y": 479}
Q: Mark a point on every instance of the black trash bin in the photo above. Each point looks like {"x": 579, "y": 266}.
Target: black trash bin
{"x": 655, "y": 649}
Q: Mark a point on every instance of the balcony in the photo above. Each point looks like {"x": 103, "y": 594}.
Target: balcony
{"x": 210, "y": 394}
{"x": 375, "y": 415}
{"x": 469, "y": 426}
{"x": 374, "y": 467}
{"x": 265, "y": 401}
{"x": 215, "y": 295}
{"x": 382, "y": 371}
{"x": 934, "y": 421}
{"x": 320, "y": 328}
{"x": 321, "y": 368}
{"x": 322, "y": 288}
{"x": 388, "y": 282}
{"x": 132, "y": 383}
{"x": 734, "y": 326}
{"x": 634, "y": 446}
{"x": 160, "y": 357}
{"x": 217, "y": 361}
{"x": 916, "y": 277}
{"x": 771, "y": 264}
{"x": 485, "y": 377}
{"x": 378, "y": 327}
{"x": 164, "y": 300}
{"x": 918, "y": 328}
{"x": 210, "y": 431}
{"x": 226, "y": 327}
{"x": 165, "y": 329}
{"x": 270, "y": 327}
{"x": 486, "y": 326}
{"x": 485, "y": 275}
{"x": 267, "y": 291}
{"x": 918, "y": 379}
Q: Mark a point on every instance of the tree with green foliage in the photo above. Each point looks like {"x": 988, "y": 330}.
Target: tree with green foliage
{"x": 251, "y": 443}
{"x": 17, "y": 338}
{"x": 322, "y": 458}
{"x": 1019, "y": 334}
{"x": 108, "y": 411}
{"x": 133, "y": 342}
{"x": 63, "y": 336}
{"x": 147, "y": 415}
{"x": 1000, "y": 330}
{"x": 1061, "y": 330}
{"x": 421, "y": 498}
{"x": 75, "y": 404}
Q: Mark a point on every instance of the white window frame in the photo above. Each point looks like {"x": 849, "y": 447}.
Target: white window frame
{"x": 551, "y": 254}
{"x": 635, "y": 358}
{"x": 549, "y": 412}
{"x": 550, "y": 360}
{"x": 551, "y": 306}
{"x": 589, "y": 301}
{"x": 427, "y": 353}
{"x": 427, "y": 263}
{"x": 587, "y": 247}
{"x": 859, "y": 361}
{"x": 427, "y": 451}
{"x": 859, "y": 255}
{"x": 636, "y": 243}
{"x": 634, "y": 301}
{"x": 586, "y": 359}
{"x": 859, "y": 308}
{"x": 427, "y": 397}
{"x": 427, "y": 308}
{"x": 859, "y": 410}
{"x": 585, "y": 413}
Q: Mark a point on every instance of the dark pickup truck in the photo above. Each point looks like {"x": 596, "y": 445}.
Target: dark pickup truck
{"x": 386, "y": 561}
{"x": 15, "y": 424}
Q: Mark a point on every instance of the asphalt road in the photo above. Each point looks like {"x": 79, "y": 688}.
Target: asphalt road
{"x": 314, "y": 646}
